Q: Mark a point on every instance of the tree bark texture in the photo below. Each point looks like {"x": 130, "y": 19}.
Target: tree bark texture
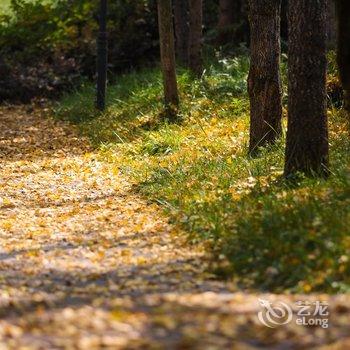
{"x": 167, "y": 53}
{"x": 307, "y": 136}
{"x": 195, "y": 39}
{"x": 181, "y": 17}
{"x": 264, "y": 82}
{"x": 343, "y": 17}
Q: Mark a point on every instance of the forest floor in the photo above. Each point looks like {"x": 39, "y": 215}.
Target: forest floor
{"x": 85, "y": 263}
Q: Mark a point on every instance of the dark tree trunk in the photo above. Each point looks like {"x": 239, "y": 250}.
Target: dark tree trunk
{"x": 167, "y": 53}
{"x": 102, "y": 58}
{"x": 343, "y": 14}
{"x": 331, "y": 25}
{"x": 195, "y": 40}
{"x": 226, "y": 13}
{"x": 307, "y": 136}
{"x": 264, "y": 83}
{"x": 181, "y": 30}
{"x": 226, "y": 20}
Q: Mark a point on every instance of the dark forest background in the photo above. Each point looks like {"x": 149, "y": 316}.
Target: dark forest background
{"x": 47, "y": 47}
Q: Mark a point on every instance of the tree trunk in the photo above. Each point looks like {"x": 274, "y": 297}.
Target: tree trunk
{"x": 195, "y": 40}
{"x": 343, "y": 14}
{"x": 331, "y": 25}
{"x": 225, "y": 13}
{"x": 102, "y": 58}
{"x": 167, "y": 53}
{"x": 307, "y": 136}
{"x": 264, "y": 82}
{"x": 181, "y": 30}
{"x": 226, "y": 20}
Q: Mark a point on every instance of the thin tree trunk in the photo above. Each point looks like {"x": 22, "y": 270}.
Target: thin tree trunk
{"x": 264, "y": 83}
{"x": 307, "y": 136}
{"x": 226, "y": 19}
{"x": 343, "y": 14}
{"x": 102, "y": 58}
{"x": 331, "y": 25}
{"x": 167, "y": 53}
{"x": 181, "y": 17}
{"x": 225, "y": 13}
{"x": 195, "y": 40}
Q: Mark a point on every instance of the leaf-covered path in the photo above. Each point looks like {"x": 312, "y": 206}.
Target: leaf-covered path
{"x": 87, "y": 264}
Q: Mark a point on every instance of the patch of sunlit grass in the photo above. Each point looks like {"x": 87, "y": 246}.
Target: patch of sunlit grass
{"x": 265, "y": 232}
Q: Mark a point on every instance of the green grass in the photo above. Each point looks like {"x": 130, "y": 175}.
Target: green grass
{"x": 265, "y": 233}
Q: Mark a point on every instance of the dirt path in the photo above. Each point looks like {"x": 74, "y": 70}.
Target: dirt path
{"x": 87, "y": 264}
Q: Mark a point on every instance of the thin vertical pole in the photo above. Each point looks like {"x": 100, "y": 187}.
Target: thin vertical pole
{"x": 102, "y": 57}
